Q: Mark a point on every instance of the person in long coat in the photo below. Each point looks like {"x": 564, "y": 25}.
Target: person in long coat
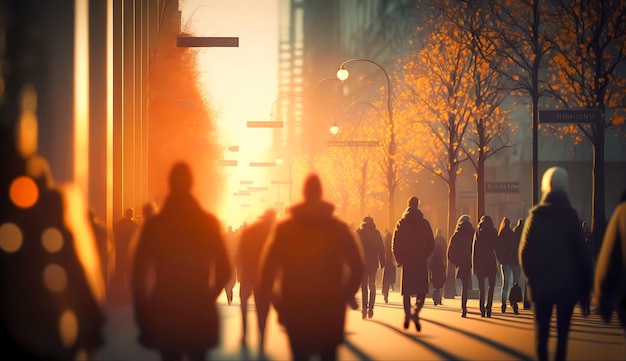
{"x": 247, "y": 258}
{"x": 437, "y": 266}
{"x": 555, "y": 261}
{"x": 610, "y": 274}
{"x": 460, "y": 254}
{"x": 374, "y": 253}
{"x": 317, "y": 265}
{"x": 179, "y": 269}
{"x": 506, "y": 253}
{"x": 484, "y": 262}
{"x": 389, "y": 272}
{"x": 413, "y": 242}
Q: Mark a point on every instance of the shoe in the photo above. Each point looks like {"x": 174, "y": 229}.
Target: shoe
{"x": 503, "y": 307}
{"x": 370, "y": 313}
{"x": 482, "y": 311}
{"x": 386, "y": 299}
{"x": 406, "y": 323}
{"x": 364, "y": 313}
{"x": 416, "y": 319}
{"x": 515, "y": 309}
{"x": 489, "y": 312}
{"x": 464, "y": 314}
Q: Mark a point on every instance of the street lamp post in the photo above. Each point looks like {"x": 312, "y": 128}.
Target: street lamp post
{"x": 342, "y": 74}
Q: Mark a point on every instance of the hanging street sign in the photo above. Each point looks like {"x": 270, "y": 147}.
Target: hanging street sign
{"x": 501, "y": 187}
{"x": 570, "y": 116}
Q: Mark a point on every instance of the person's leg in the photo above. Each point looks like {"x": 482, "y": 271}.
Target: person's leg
{"x": 244, "y": 295}
{"x": 492, "y": 286}
{"x": 542, "y": 314}
{"x": 406, "y": 302}
{"x": 516, "y": 270}
{"x": 385, "y": 289}
{"x": 372, "y": 294}
{"x": 465, "y": 282}
{"x": 364, "y": 292}
{"x": 563, "y": 321}
{"x": 481, "y": 295}
{"x": 419, "y": 304}
{"x": 505, "y": 270}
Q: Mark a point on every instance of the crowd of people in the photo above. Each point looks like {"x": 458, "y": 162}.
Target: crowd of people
{"x": 173, "y": 263}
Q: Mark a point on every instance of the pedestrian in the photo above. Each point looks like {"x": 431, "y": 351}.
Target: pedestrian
{"x": 413, "y": 243}
{"x": 374, "y": 253}
{"x": 555, "y": 261}
{"x": 123, "y": 231}
{"x": 231, "y": 238}
{"x": 179, "y": 269}
{"x": 247, "y": 258}
{"x": 389, "y": 272}
{"x": 460, "y": 254}
{"x": 506, "y": 253}
{"x": 315, "y": 265}
{"x": 484, "y": 262}
{"x": 437, "y": 266}
{"x": 610, "y": 274}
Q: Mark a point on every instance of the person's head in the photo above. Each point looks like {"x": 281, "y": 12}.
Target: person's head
{"x": 438, "y": 232}
{"x": 148, "y": 210}
{"x": 554, "y": 179}
{"x": 129, "y": 213}
{"x": 485, "y": 222}
{"x": 180, "y": 180}
{"x": 268, "y": 215}
{"x": 413, "y": 202}
{"x": 463, "y": 219}
{"x": 368, "y": 220}
{"x": 312, "y": 190}
{"x": 504, "y": 224}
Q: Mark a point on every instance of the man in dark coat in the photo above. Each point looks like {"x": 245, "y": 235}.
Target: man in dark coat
{"x": 555, "y": 261}
{"x": 317, "y": 265}
{"x": 247, "y": 257}
{"x": 413, "y": 242}
{"x": 374, "y": 252}
{"x": 180, "y": 268}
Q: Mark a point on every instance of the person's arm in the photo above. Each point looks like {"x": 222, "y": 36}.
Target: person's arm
{"x": 381, "y": 249}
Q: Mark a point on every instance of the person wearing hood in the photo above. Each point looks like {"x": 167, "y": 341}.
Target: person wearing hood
{"x": 554, "y": 258}
{"x": 413, "y": 242}
{"x": 460, "y": 254}
{"x": 374, "y": 252}
{"x": 180, "y": 267}
{"x": 311, "y": 270}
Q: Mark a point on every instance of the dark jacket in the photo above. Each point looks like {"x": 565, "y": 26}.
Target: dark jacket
{"x": 460, "y": 247}
{"x": 413, "y": 243}
{"x": 437, "y": 263}
{"x": 373, "y": 247}
{"x": 184, "y": 246}
{"x": 319, "y": 267}
{"x": 553, "y": 253}
{"x": 484, "y": 255}
{"x": 249, "y": 249}
{"x": 389, "y": 274}
{"x": 507, "y": 246}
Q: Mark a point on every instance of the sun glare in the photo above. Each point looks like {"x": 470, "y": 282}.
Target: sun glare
{"x": 240, "y": 85}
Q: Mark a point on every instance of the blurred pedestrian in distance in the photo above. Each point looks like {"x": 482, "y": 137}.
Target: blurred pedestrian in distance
{"x": 374, "y": 253}
{"x": 247, "y": 258}
{"x": 311, "y": 270}
{"x": 179, "y": 269}
{"x": 437, "y": 266}
{"x": 413, "y": 243}
{"x": 148, "y": 210}
{"x": 484, "y": 262}
{"x": 610, "y": 273}
{"x": 232, "y": 240}
{"x": 389, "y": 272}
{"x": 105, "y": 246}
{"x": 123, "y": 230}
{"x": 506, "y": 252}
{"x": 460, "y": 254}
{"x": 555, "y": 261}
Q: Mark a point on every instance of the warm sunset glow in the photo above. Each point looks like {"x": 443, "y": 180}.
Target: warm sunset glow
{"x": 81, "y": 95}
{"x": 23, "y": 192}
{"x": 240, "y": 85}
{"x": 27, "y": 126}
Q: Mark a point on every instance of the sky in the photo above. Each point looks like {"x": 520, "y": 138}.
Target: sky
{"x": 240, "y": 84}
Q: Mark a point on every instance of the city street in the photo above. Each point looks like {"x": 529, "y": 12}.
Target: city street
{"x": 444, "y": 336}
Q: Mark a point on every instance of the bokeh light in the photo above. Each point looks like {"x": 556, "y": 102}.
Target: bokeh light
{"x": 10, "y": 237}
{"x": 54, "y": 277}
{"x": 68, "y": 328}
{"x": 23, "y": 192}
{"x": 52, "y": 240}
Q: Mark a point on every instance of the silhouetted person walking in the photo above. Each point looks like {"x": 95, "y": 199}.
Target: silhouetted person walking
{"x": 317, "y": 266}
{"x": 484, "y": 262}
{"x": 506, "y": 253}
{"x": 123, "y": 230}
{"x": 437, "y": 266}
{"x": 554, "y": 258}
{"x": 247, "y": 258}
{"x": 413, "y": 242}
{"x": 374, "y": 252}
{"x": 610, "y": 277}
{"x": 180, "y": 268}
{"x": 460, "y": 254}
{"x": 389, "y": 272}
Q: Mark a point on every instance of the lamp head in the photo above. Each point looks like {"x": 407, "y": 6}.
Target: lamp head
{"x": 342, "y": 74}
